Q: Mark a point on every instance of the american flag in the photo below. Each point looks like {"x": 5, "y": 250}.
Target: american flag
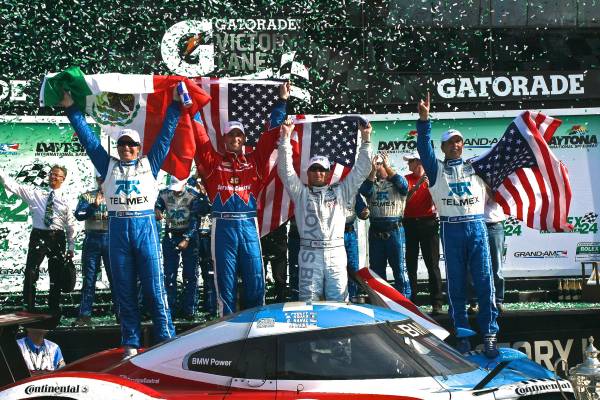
{"x": 333, "y": 137}
{"x": 246, "y": 101}
{"x": 529, "y": 182}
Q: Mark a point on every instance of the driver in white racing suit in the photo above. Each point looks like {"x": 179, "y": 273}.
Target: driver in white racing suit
{"x": 320, "y": 211}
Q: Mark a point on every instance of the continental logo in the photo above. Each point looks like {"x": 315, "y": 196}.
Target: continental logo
{"x": 542, "y": 254}
{"x": 55, "y": 389}
{"x": 577, "y": 137}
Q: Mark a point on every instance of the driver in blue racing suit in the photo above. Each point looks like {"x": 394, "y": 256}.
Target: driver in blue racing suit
{"x": 460, "y": 196}
{"x": 131, "y": 189}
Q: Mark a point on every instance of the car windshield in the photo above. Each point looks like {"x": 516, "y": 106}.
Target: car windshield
{"x": 399, "y": 350}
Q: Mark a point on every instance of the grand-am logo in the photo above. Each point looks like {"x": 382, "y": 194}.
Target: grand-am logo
{"x": 9, "y": 148}
{"x": 460, "y": 188}
{"x": 541, "y": 254}
{"x": 577, "y": 137}
{"x": 479, "y": 143}
{"x": 127, "y": 187}
{"x": 61, "y": 149}
{"x": 55, "y": 389}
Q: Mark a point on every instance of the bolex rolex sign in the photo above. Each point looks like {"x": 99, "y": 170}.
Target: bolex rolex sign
{"x": 518, "y": 85}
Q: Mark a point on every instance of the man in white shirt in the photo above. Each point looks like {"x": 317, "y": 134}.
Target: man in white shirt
{"x": 52, "y": 235}
{"x": 40, "y": 354}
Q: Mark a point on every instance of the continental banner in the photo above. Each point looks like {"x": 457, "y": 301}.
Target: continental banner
{"x": 527, "y": 252}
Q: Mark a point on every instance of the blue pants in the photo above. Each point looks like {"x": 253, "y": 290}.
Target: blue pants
{"x": 389, "y": 248}
{"x": 496, "y": 241}
{"x": 209, "y": 301}
{"x": 236, "y": 247}
{"x": 189, "y": 258}
{"x": 135, "y": 255}
{"x": 351, "y": 245}
{"x": 95, "y": 252}
{"x": 466, "y": 250}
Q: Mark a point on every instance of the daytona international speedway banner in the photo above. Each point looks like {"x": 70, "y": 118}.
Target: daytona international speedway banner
{"x": 527, "y": 252}
{"x": 28, "y": 149}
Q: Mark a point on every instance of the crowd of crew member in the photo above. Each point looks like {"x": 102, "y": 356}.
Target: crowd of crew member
{"x": 209, "y": 227}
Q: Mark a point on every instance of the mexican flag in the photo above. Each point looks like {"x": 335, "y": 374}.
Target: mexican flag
{"x": 119, "y": 101}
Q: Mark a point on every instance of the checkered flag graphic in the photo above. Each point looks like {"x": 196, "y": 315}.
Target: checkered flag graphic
{"x": 35, "y": 174}
{"x": 511, "y": 221}
{"x": 589, "y": 218}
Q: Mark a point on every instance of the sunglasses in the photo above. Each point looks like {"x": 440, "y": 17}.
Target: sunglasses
{"x": 129, "y": 143}
{"x": 317, "y": 168}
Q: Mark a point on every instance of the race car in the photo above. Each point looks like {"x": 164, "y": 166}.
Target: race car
{"x": 300, "y": 350}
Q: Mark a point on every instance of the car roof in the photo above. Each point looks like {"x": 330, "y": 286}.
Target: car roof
{"x": 297, "y": 316}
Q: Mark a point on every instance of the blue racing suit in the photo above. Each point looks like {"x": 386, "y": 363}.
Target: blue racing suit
{"x": 460, "y": 195}
{"x": 233, "y": 182}
{"x": 131, "y": 190}
{"x": 351, "y": 243}
{"x": 180, "y": 212}
{"x": 95, "y": 249}
{"x": 386, "y": 199}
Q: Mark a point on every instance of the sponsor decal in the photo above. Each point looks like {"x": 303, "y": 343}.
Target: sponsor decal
{"x": 210, "y": 361}
{"x": 55, "y": 389}
{"x": 587, "y": 251}
{"x": 234, "y": 180}
{"x": 199, "y": 47}
{"x": 537, "y": 387}
{"x": 411, "y": 329}
{"x": 541, "y": 254}
{"x": 510, "y": 86}
{"x": 460, "y": 188}
{"x": 577, "y": 137}
{"x": 301, "y": 319}
{"x": 9, "y": 148}
{"x": 13, "y": 90}
{"x": 585, "y": 224}
{"x": 512, "y": 227}
{"x": 407, "y": 144}
{"x": 127, "y": 187}
{"x": 142, "y": 380}
{"x": 265, "y": 323}
{"x": 60, "y": 149}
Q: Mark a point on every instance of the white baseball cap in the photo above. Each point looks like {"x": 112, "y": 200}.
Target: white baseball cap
{"x": 321, "y": 160}
{"x": 176, "y": 184}
{"x": 450, "y": 133}
{"x": 132, "y": 133}
{"x": 231, "y": 125}
{"x": 411, "y": 156}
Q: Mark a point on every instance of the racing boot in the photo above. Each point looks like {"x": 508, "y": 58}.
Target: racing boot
{"x": 129, "y": 352}
{"x": 490, "y": 346}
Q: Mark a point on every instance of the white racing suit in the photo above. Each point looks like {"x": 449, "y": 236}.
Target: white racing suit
{"x": 321, "y": 217}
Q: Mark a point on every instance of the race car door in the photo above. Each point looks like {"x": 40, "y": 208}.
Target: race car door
{"x": 350, "y": 362}
{"x": 254, "y": 376}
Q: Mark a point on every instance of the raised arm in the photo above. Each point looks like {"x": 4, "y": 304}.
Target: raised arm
{"x": 24, "y": 192}
{"x": 280, "y": 108}
{"x": 160, "y": 148}
{"x": 285, "y": 164}
{"x": 424, "y": 146}
{"x": 87, "y": 138}
{"x": 362, "y": 166}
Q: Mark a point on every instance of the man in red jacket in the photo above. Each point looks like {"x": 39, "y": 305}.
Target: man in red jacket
{"x": 421, "y": 228}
